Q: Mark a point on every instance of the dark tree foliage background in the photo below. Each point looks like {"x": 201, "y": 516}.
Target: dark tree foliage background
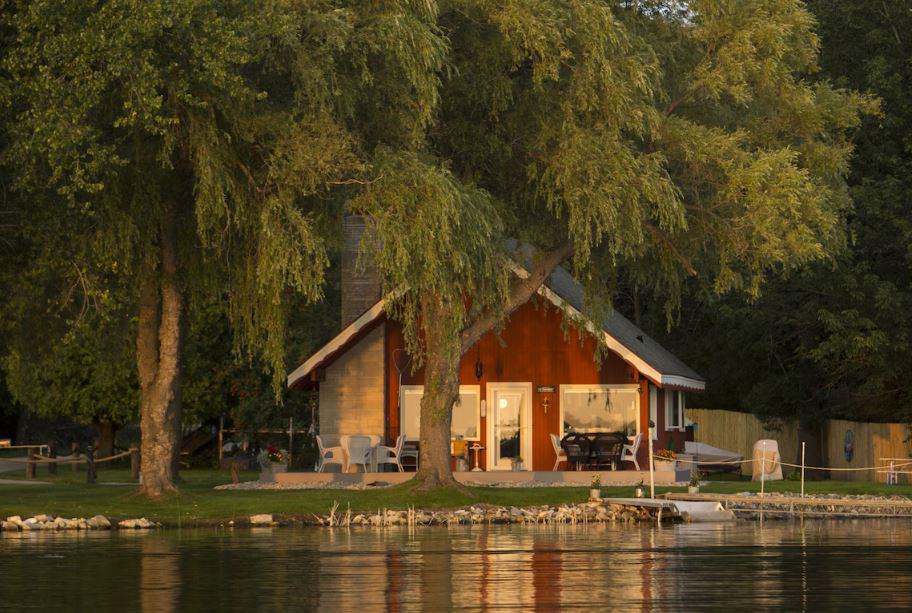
{"x": 835, "y": 338}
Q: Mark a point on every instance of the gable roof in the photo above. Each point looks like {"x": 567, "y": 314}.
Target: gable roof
{"x": 620, "y": 335}
{"x": 625, "y": 338}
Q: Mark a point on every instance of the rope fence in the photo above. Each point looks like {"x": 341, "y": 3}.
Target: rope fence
{"x": 781, "y": 463}
{"x": 32, "y": 460}
{"x": 68, "y": 459}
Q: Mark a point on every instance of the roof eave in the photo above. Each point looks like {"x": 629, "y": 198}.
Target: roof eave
{"x": 337, "y": 343}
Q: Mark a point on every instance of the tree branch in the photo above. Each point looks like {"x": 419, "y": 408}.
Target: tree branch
{"x": 522, "y": 290}
{"x": 664, "y": 238}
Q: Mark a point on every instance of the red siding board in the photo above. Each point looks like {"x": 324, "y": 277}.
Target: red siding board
{"x": 535, "y": 346}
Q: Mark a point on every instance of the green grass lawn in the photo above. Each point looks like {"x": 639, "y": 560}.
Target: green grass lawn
{"x": 198, "y": 503}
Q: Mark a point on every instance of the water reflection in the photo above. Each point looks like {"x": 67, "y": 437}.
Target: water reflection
{"x": 159, "y": 574}
{"x": 811, "y": 566}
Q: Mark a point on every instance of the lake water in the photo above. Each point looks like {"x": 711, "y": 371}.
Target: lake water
{"x": 740, "y": 566}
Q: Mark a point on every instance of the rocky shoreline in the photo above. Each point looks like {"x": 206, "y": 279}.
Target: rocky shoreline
{"x": 15, "y": 523}
{"x": 748, "y": 506}
{"x": 596, "y": 511}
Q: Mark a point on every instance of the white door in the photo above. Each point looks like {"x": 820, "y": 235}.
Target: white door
{"x": 509, "y": 420}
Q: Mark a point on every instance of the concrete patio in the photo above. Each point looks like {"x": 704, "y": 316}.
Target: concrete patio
{"x": 519, "y": 478}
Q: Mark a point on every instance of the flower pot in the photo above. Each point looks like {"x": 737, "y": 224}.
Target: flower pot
{"x": 595, "y": 493}
{"x": 639, "y": 492}
{"x": 663, "y": 465}
{"x": 693, "y": 489}
{"x": 278, "y": 467}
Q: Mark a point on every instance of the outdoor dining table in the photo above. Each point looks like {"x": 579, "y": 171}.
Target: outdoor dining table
{"x": 594, "y": 448}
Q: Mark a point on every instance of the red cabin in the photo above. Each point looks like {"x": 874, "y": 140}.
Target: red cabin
{"x": 537, "y": 379}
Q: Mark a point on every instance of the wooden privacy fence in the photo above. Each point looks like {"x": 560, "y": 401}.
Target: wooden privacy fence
{"x": 872, "y": 442}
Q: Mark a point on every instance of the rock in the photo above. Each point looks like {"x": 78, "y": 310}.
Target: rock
{"x": 72, "y": 524}
{"x": 32, "y": 523}
{"x": 99, "y": 522}
{"x": 16, "y": 520}
{"x": 60, "y": 523}
{"x": 263, "y": 519}
{"x": 9, "y": 526}
{"x": 42, "y": 518}
{"x": 136, "y": 524}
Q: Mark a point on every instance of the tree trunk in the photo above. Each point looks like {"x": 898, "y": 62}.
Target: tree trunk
{"x": 158, "y": 349}
{"x": 445, "y": 345}
{"x": 441, "y": 390}
{"x": 105, "y": 438}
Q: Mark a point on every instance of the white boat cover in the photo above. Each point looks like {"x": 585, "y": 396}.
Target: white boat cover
{"x": 704, "y": 453}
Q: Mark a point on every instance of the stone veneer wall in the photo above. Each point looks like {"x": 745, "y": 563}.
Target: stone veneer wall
{"x": 352, "y": 393}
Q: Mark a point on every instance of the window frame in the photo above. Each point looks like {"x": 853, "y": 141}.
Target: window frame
{"x": 405, "y": 390}
{"x": 670, "y": 397}
{"x": 570, "y": 387}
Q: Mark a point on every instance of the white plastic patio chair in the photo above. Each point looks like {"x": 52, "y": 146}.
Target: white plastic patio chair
{"x": 629, "y": 453}
{"x": 558, "y": 451}
{"x": 391, "y": 455}
{"x": 359, "y": 450}
{"x": 330, "y": 455}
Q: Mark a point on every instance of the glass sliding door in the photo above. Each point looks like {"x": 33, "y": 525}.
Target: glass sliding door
{"x": 509, "y": 425}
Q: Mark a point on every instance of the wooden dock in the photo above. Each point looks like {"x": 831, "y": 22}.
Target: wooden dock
{"x": 778, "y": 504}
{"x": 688, "y": 511}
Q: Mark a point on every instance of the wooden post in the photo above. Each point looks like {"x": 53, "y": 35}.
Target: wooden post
{"x": 52, "y": 453}
{"x": 30, "y": 465}
{"x": 91, "y": 476}
{"x": 134, "y": 463}
{"x": 74, "y": 449}
{"x": 221, "y": 440}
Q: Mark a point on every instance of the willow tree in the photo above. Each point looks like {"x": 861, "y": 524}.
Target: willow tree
{"x": 189, "y": 148}
{"x": 658, "y": 140}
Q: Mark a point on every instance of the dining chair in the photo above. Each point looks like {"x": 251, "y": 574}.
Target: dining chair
{"x": 558, "y": 451}
{"x": 629, "y": 454}
{"x": 410, "y": 450}
{"x": 391, "y": 455}
{"x": 330, "y": 455}
{"x": 359, "y": 451}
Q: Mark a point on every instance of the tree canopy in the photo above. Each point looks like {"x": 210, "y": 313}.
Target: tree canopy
{"x": 172, "y": 155}
{"x": 833, "y": 340}
{"x": 649, "y": 141}
{"x": 172, "y": 152}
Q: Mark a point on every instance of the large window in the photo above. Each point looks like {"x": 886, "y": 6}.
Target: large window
{"x": 674, "y": 410}
{"x": 466, "y": 413}
{"x": 600, "y": 408}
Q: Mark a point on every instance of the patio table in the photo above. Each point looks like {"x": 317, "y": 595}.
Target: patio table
{"x": 594, "y": 448}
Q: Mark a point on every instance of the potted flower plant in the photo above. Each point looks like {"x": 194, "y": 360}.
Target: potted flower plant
{"x": 517, "y": 463}
{"x": 693, "y": 486}
{"x": 665, "y": 455}
{"x": 595, "y": 489}
{"x": 277, "y": 459}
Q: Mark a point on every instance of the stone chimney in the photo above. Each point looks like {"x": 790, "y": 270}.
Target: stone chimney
{"x": 360, "y": 288}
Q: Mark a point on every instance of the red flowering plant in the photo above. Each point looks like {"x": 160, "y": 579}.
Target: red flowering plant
{"x": 275, "y": 454}
{"x": 666, "y": 454}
